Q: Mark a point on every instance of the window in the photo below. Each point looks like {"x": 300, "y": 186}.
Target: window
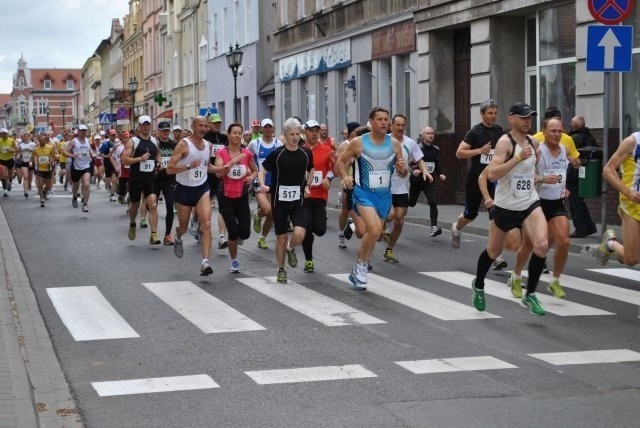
{"x": 70, "y": 84}
{"x": 300, "y": 8}
{"x": 175, "y": 69}
{"x": 225, "y": 30}
{"x": 284, "y": 15}
{"x": 47, "y": 84}
{"x": 286, "y": 88}
{"x": 204, "y": 55}
{"x": 237, "y": 19}
{"x": 21, "y": 83}
{"x": 248, "y": 22}
{"x": 42, "y": 107}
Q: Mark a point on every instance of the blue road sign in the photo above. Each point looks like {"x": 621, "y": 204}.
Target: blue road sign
{"x": 609, "y": 47}
{"x": 104, "y": 119}
{"x": 207, "y": 111}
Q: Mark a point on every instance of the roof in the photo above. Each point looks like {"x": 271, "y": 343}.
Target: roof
{"x": 58, "y": 77}
{"x": 4, "y": 99}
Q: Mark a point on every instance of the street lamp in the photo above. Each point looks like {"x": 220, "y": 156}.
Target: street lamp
{"x": 33, "y": 114}
{"x": 47, "y": 110}
{"x": 234, "y": 61}
{"x": 112, "y": 98}
{"x": 133, "y": 87}
{"x": 63, "y": 107}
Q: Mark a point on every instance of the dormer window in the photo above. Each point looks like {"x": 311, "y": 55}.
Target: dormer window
{"x": 21, "y": 83}
{"x": 70, "y": 84}
{"x": 47, "y": 84}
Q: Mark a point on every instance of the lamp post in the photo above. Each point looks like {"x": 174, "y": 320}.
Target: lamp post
{"x": 112, "y": 98}
{"x": 47, "y": 110}
{"x": 234, "y": 61}
{"x": 63, "y": 107}
{"x": 33, "y": 114}
{"x": 133, "y": 87}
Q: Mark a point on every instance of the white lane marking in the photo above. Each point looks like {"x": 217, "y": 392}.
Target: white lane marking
{"x": 420, "y": 300}
{"x": 202, "y": 309}
{"x": 455, "y": 365}
{"x": 88, "y": 315}
{"x": 317, "y": 306}
{"x": 153, "y": 385}
{"x": 561, "y": 307}
{"x": 309, "y": 374}
{"x": 588, "y": 357}
{"x": 625, "y": 273}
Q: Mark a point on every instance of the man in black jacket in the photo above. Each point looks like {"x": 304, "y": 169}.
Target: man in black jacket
{"x": 582, "y": 222}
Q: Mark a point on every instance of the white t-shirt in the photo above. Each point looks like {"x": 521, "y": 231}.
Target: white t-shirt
{"x": 410, "y": 153}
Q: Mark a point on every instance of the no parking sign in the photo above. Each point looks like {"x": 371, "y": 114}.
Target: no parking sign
{"x": 610, "y": 12}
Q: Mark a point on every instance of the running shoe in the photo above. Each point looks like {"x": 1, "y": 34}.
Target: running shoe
{"x": 257, "y": 222}
{"x": 132, "y": 231}
{"x": 435, "y": 231}
{"x": 455, "y": 236}
{"x": 153, "y": 239}
{"x": 499, "y": 263}
{"x": 292, "y": 259}
{"x": 545, "y": 269}
{"x": 389, "y": 256}
{"x": 478, "y": 297}
{"x": 385, "y": 236}
{"x": 205, "y": 268}
{"x": 309, "y": 266}
{"x": 555, "y": 288}
{"x": 85, "y": 208}
{"x": 262, "y": 243}
{"x": 194, "y": 227}
{"x": 143, "y": 223}
{"x": 534, "y": 305}
{"x": 282, "y": 276}
{"x": 222, "y": 243}
{"x": 348, "y": 231}
{"x": 121, "y": 200}
{"x": 353, "y": 278}
{"x": 178, "y": 249}
{"x": 168, "y": 240}
{"x": 5, "y": 194}
{"x": 361, "y": 272}
{"x": 41, "y": 203}
{"x": 235, "y": 266}
{"x": 74, "y": 201}
{"x": 603, "y": 253}
{"x": 112, "y": 198}
{"x": 515, "y": 283}
{"x": 341, "y": 242}
{"x": 26, "y": 195}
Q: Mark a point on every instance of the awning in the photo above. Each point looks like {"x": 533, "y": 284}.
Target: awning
{"x": 167, "y": 114}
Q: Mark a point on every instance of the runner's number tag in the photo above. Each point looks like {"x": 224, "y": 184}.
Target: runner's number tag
{"x": 217, "y": 147}
{"x": 559, "y": 172}
{"x": 196, "y": 174}
{"x": 43, "y": 160}
{"x": 165, "y": 161}
{"x": 485, "y": 158}
{"x": 379, "y": 179}
{"x": 288, "y": 193}
{"x": 237, "y": 171}
{"x": 317, "y": 179}
{"x": 522, "y": 184}
{"x": 431, "y": 166}
{"x": 147, "y": 166}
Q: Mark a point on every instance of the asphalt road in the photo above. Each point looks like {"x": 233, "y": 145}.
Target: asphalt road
{"x": 409, "y": 352}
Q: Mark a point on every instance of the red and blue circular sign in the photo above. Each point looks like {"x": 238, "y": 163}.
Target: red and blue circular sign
{"x": 610, "y": 12}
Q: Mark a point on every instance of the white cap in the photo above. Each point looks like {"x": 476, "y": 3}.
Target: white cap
{"x": 102, "y": 133}
{"x": 82, "y": 127}
{"x": 4, "y": 130}
{"x": 311, "y": 124}
{"x": 144, "y": 119}
{"x": 266, "y": 122}
{"x": 177, "y": 128}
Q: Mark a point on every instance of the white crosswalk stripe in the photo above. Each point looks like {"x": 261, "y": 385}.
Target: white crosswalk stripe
{"x": 153, "y": 385}
{"x": 455, "y": 365}
{"x": 202, "y": 309}
{"x": 88, "y": 315}
{"x": 420, "y": 300}
{"x": 310, "y": 374}
{"x": 625, "y": 273}
{"x": 321, "y": 308}
{"x": 588, "y": 357}
{"x": 559, "y": 307}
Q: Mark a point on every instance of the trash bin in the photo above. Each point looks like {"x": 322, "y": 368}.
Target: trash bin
{"x": 590, "y": 172}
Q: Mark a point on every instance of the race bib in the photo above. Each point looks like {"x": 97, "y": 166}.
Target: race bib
{"x": 147, "y": 166}
{"x": 196, "y": 174}
{"x": 26, "y": 156}
{"x": 561, "y": 176}
{"x": 237, "y": 171}
{"x": 431, "y": 166}
{"x": 522, "y": 184}
{"x": 84, "y": 153}
{"x": 216, "y": 147}
{"x": 43, "y": 160}
{"x": 485, "y": 158}
{"x": 317, "y": 179}
{"x": 5, "y": 150}
{"x": 165, "y": 161}
{"x": 379, "y": 179}
{"x": 288, "y": 193}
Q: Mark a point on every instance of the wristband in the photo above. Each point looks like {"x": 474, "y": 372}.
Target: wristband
{"x": 518, "y": 158}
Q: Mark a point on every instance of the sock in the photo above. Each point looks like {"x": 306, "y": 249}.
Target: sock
{"x": 536, "y": 265}
{"x": 205, "y": 260}
{"x": 484, "y": 263}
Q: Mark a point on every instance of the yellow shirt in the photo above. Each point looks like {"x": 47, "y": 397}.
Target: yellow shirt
{"x": 566, "y": 141}
{"x": 7, "y": 147}
{"x": 61, "y": 145}
{"x": 43, "y": 157}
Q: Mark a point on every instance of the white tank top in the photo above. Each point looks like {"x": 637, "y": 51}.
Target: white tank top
{"x": 194, "y": 177}
{"x": 83, "y": 161}
{"x": 548, "y": 164}
{"x": 516, "y": 190}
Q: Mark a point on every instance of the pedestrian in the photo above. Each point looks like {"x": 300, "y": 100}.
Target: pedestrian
{"x": 513, "y": 166}
{"x": 80, "y": 152}
{"x": 377, "y": 156}
{"x": 417, "y": 183}
{"x": 291, "y": 168}
{"x": 8, "y": 148}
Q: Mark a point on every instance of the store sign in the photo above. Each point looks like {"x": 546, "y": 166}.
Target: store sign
{"x": 315, "y": 61}
{"x": 394, "y": 40}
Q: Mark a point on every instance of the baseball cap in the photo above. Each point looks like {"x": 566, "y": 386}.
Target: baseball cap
{"x": 266, "y": 121}
{"x": 177, "y": 128}
{"x": 4, "y": 130}
{"x": 144, "y": 119}
{"x": 246, "y": 133}
{"x": 126, "y": 134}
{"x": 522, "y": 109}
{"x": 82, "y": 127}
{"x": 215, "y": 118}
{"x": 256, "y": 122}
{"x": 311, "y": 124}
{"x": 352, "y": 126}
{"x": 112, "y": 132}
{"x": 164, "y": 125}
{"x": 97, "y": 137}
{"x": 102, "y": 133}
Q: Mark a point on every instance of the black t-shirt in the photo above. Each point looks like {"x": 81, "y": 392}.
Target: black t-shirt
{"x": 166, "y": 150}
{"x": 217, "y": 139}
{"x": 288, "y": 168}
{"x": 477, "y": 137}
{"x": 430, "y": 153}
{"x": 142, "y": 171}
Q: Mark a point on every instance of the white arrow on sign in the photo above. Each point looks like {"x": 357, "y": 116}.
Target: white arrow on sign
{"x": 609, "y": 42}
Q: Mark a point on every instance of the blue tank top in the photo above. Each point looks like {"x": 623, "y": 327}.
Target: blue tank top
{"x": 375, "y": 165}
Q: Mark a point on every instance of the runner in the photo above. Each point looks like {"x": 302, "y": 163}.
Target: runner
{"x": 377, "y": 157}
{"x": 166, "y": 183}
{"x": 347, "y": 215}
{"x": 62, "y": 159}
{"x": 219, "y": 140}
{"x": 79, "y": 150}
{"x": 105, "y": 153}
{"x": 25, "y": 150}
{"x": 291, "y": 168}
{"x": 43, "y": 160}
{"x": 236, "y": 168}
{"x": 8, "y": 148}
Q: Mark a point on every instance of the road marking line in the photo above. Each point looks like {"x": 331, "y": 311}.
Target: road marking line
{"x": 561, "y": 307}
{"x": 631, "y": 274}
{"x": 317, "y": 306}
{"x": 153, "y": 385}
{"x": 588, "y": 357}
{"x": 455, "y": 365}
{"x": 310, "y": 374}
{"x": 420, "y": 300}
{"x": 88, "y": 315}
{"x": 202, "y": 309}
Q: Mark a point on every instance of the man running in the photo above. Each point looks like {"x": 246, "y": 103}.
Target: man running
{"x": 166, "y": 183}
{"x": 42, "y": 160}
{"x": 79, "y": 150}
{"x": 8, "y": 148}
{"x": 219, "y": 140}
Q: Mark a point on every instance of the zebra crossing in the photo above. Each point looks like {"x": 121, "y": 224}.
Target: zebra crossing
{"x": 89, "y": 316}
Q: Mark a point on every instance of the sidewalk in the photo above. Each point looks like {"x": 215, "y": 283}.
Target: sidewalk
{"x": 33, "y": 389}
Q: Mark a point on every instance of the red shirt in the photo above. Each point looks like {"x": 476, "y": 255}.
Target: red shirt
{"x": 322, "y": 164}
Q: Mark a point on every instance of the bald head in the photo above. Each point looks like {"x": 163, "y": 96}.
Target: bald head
{"x": 428, "y": 135}
{"x": 577, "y": 122}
